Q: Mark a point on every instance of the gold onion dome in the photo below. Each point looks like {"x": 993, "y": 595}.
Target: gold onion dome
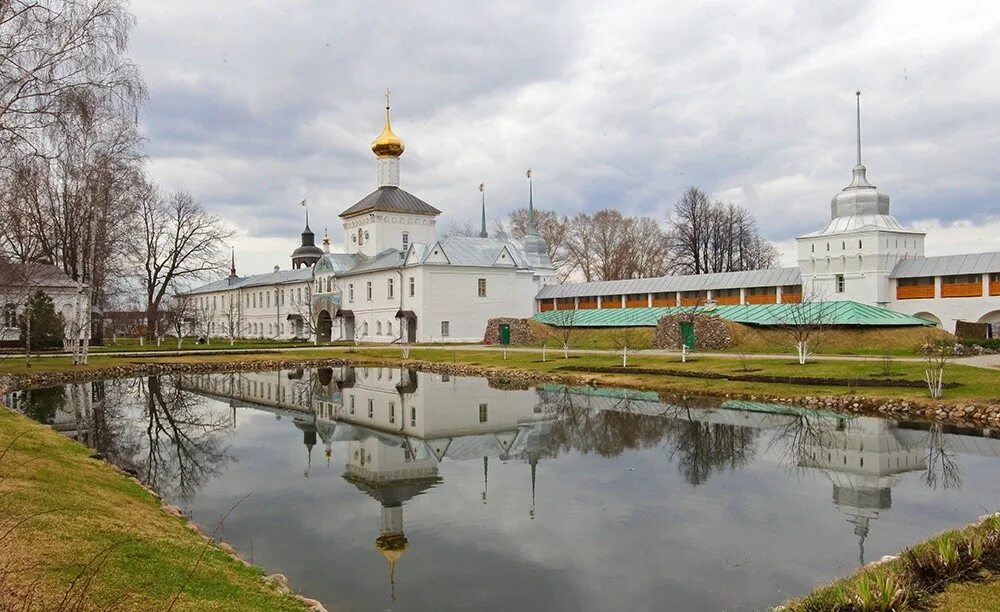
{"x": 387, "y": 143}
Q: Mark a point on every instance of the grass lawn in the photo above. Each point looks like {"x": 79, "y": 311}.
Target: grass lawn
{"x": 983, "y": 595}
{"x": 976, "y": 383}
{"x": 72, "y": 516}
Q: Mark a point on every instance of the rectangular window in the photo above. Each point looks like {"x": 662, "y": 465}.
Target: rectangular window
{"x": 371, "y": 408}
{"x": 413, "y": 417}
{"x": 392, "y": 412}
{"x": 413, "y": 286}
{"x": 389, "y": 289}
{"x": 482, "y": 413}
{"x": 444, "y": 329}
{"x": 10, "y": 315}
{"x": 350, "y": 292}
{"x": 352, "y": 404}
{"x": 841, "y": 283}
{"x": 406, "y": 240}
{"x": 268, "y": 299}
{"x": 369, "y": 290}
{"x": 482, "y": 287}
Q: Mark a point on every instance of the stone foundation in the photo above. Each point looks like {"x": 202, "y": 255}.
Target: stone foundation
{"x": 710, "y": 332}
{"x": 520, "y": 331}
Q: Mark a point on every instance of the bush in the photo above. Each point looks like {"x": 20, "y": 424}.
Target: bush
{"x": 991, "y": 343}
{"x": 47, "y": 326}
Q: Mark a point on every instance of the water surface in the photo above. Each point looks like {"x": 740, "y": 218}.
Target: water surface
{"x": 388, "y": 489}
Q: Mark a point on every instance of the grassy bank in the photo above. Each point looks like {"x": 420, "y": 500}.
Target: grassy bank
{"x": 82, "y": 536}
{"x": 956, "y": 570}
{"x": 974, "y": 384}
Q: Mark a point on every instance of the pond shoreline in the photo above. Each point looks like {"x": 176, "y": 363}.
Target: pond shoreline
{"x": 976, "y": 414}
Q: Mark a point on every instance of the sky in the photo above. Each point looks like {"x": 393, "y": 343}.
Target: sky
{"x": 256, "y": 105}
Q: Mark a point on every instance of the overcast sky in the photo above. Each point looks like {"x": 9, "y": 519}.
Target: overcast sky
{"x": 255, "y": 105}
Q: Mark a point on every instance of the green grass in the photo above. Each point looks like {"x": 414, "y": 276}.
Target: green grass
{"x": 76, "y": 508}
{"x": 976, "y": 383}
{"x": 969, "y": 590}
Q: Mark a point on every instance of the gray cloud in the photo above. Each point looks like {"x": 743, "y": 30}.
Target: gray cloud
{"x": 256, "y": 105}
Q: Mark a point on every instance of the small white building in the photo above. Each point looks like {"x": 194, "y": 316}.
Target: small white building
{"x": 395, "y": 282}
{"x": 20, "y": 281}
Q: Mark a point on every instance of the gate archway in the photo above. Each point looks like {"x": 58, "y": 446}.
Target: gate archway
{"x": 324, "y": 326}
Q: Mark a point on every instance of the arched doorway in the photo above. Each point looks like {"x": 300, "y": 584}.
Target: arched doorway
{"x": 929, "y": 317}
{"x": 324, "y": 326}
{"x": 994, "y": 319}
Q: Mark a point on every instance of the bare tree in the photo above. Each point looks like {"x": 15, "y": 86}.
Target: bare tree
{"x": 707, "y": 236}
{"x": 181, "y": 241}
{"x": 552, "y": 227}
{"x": 560, "y": 328}
{"x": 938, "y": 352}
{"x": 804, "y": 324}
{"x": 233, "y": 325}
{"x": 610, "y": 246}
{"x": 180, "y": 316}
{"x": 626, "y": 340}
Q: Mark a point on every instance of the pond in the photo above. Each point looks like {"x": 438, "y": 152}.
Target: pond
{"x": 389, "y": 489}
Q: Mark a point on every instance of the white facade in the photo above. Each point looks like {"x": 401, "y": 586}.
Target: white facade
{"x": 69, "y": 299}
{"x": 396, "y": 282}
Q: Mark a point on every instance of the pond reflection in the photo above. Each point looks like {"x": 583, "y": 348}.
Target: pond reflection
{"x": 707, "y": 504}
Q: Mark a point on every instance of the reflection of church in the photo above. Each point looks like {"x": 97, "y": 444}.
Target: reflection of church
{"x": 864, "y": 457}
{"x": 398, "y": 426}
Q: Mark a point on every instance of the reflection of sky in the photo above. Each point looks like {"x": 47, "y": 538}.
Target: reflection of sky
{"x": 607, "y": 531}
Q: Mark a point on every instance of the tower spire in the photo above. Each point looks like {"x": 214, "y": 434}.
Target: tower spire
{"x": 232, "y": 264}
{"x": 482, "y": 230}
{"x": 531, "y": 229}
{"x": 858, "y": 96}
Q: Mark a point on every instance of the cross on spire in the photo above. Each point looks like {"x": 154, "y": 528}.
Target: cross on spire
{"x": 858, "y": 95}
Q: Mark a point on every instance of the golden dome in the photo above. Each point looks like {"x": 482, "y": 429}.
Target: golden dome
{"x": 387, "y": 144}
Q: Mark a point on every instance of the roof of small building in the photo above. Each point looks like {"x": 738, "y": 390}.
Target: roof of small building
{"x": 843, "y": 313}
{"x": 390, "y": 199}
{"x": 772, "y": 277}
{"x": 948, "y": 265}
{"x": 34, "y": 274}
{"x": 476, "y": 251}
{"x": 862, "y": 223}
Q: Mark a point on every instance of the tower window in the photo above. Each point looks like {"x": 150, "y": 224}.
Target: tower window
{"x": 350, "y": 292}
{"x": 813, "y": 248}
{"x": 860, "y": 244}
{"x": 841, "y": 283}
{"x": 482, "y": 287}
{"x": 369, "y": 290}
{"x": 361, "y": 237}
{"x": 371, "y": 408}
{"x": 413, "y": 286}
{"x": 406, "y": 240}
{"x": 389, "y": 289}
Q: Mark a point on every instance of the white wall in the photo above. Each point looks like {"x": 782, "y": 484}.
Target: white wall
{"x": 385, "y": 231}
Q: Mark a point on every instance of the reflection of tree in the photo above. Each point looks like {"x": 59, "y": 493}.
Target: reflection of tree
{"x": 616, "y": 425}
{"x": 942, "y": 465}
{"x": 42, "y": 404}
{"x": 182, "y": 446}
{"x": 702, "y": 448}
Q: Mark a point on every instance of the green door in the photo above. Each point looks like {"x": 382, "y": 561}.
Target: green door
{"x": 504, "y": 334}
{"x": 687, "y": 334}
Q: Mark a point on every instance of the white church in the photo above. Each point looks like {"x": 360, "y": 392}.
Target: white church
{"x": 395, "y": 282}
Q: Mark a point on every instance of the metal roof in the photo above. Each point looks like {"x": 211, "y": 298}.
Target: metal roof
{"x": 391, "y": 199}
{"x": 281, "y": 277}
{"x": 773, "y": 277}
{"x": 948, "y": 265}
{"x": 475, "y": 251}
{"x": 34, "y": 274}
{"x": 826, "y": 313}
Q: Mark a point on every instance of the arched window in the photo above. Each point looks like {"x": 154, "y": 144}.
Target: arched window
{"x": 364, "y": 329}
{"x": 361, "y": 237}
{"x": 388, "y": 328}
{"x": 378, "y": 328}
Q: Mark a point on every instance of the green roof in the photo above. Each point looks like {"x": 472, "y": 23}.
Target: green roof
{"x": 827, "y": 313}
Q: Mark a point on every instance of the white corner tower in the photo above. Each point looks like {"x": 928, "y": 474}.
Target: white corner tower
{"x": 853, "y": 256}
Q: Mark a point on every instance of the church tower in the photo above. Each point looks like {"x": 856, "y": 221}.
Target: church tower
{"x": 853, "y": 256}
{"x": 389, "y": 217}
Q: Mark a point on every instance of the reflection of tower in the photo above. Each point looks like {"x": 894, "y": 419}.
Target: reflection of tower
{"x": 486, "y": 477}
{"x": 387, "y": 470}
{"x": 308, "y": 429}
{"x": 535, "y": 444}
{"x": 864, "y": 459}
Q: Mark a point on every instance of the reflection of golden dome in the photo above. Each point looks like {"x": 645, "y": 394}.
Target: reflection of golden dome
{"x": 392, "y": 546}
{"x": 387, "y": 144}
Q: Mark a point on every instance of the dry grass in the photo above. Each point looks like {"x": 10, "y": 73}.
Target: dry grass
{"x": 85, "y": 529}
